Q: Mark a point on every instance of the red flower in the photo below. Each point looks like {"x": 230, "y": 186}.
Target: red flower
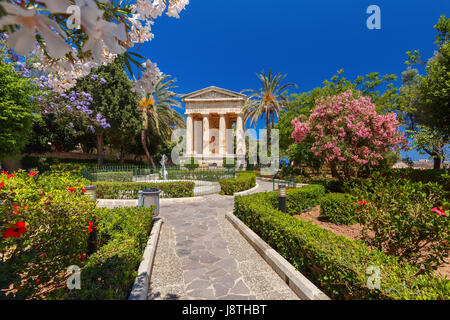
{"x": 15, "y": 232}
{"x": 83, "y": 189}
{"x": 439, "y": 212}
{"x": 11, "y": 176}
{"x": 38, "y": 280}
{"x": 91, "y": 227}
{"x": 5, "y": 172}
{"x": 32, "y": 173}
{"x": 71, "y": 189}
{"x": 82, "y": 257}
{"x": 362, "y": 202}
{"x": 2, "y": 184}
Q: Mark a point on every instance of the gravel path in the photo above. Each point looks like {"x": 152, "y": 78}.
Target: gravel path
{"x": 200, "y": 255}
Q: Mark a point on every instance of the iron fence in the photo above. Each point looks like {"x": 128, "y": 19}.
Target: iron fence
{"x": 149, "y": 173}
{"x": 289, "y": 183}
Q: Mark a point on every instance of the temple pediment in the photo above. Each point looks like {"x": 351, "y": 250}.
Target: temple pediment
{"x": 213, "y": 93}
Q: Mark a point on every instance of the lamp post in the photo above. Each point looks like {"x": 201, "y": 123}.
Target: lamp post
{"x": 91, "y": 192}
{"x": 148, "y": 198}
{"x": 282, "y": 198}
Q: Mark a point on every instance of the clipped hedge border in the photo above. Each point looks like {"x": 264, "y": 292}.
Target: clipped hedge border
{"x": 109, "y": 274}
{"x": 243, "y": 181}
{"x": 129, "y": 190}
{"x": 337, "y": 265}
{"x": 339, "y": 208}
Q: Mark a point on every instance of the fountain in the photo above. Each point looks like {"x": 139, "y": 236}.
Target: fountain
{"x": 163, "y": 171}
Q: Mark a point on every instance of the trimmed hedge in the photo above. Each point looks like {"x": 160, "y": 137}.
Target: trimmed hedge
{"x": 331, "y": 185}
{"x": 339, "y": 208}
{"x": 334, "y": 263}
{"x": 243, "y": 181}
{"x": 109, "y": 274}
{"x": 129, "y": 190}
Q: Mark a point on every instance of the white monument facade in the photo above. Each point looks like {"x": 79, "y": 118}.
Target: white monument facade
{"x": 211, "y": 114}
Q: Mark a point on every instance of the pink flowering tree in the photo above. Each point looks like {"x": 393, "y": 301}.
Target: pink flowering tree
{"x": 348, "y": 133}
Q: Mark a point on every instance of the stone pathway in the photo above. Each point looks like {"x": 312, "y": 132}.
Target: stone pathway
{"x": 200, "y": 255}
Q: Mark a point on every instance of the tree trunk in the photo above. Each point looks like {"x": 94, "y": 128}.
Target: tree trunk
{"x": 100, "y": 148}
{"x": 269, "y": 130}
{"x": 437, "y": 163}
{"x": 334, "y": 172}
{"x": 121, "y": 154}
{"x": 144, "y": 145}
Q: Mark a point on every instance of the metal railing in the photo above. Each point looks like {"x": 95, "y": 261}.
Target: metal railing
{"x": 148, "y": 173}
{"x": 290, "y": 183}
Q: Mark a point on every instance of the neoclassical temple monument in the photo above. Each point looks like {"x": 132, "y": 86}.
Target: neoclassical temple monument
{"x": 211, "y": 114}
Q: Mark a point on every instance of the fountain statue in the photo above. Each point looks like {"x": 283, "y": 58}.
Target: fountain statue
{"x": 163, "y": 171}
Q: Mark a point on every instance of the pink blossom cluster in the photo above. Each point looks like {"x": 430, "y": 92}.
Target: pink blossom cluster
{"x": 347, "y": 128}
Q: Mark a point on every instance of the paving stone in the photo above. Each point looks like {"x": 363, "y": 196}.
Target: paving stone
{"x": 220, "y": 290}
{"x": 202, "y": 293}
{"x": 200, "y": 255}
{"x": 198, "y": 284}
{"x": 183, "y": 252}
{"x": 240, "y": 288}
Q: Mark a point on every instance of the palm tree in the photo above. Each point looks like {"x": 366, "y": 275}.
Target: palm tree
{"x": 158, "y": 115}
{"x": 268, "y": 101}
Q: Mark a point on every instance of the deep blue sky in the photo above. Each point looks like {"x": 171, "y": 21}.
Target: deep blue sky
{"x": 225, "y": 42}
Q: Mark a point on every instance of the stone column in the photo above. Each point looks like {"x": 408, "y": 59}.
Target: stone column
{"x": 198, "y": 137}
{"x": 189, "y": 134}
{"x": 240, "y": 140}
{"x": 222, "y": 135}
{"x": 205, "y": 134}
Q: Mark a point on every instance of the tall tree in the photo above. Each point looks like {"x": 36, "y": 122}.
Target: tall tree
{"x": 268, "y": 102}
{"x": 113, "y": 98}
{"x": 304, "y": 103}
{"x": 158, "y": 114}
{"x": 16, "y": 110}
{"x": 426, "y": 99}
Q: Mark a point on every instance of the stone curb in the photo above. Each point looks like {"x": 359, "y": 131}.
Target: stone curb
{"x": 298, "y": 283}
{"x": 113, "y": 203}
{"x": 242, "y": 193}
{"x": 141, "y": 283}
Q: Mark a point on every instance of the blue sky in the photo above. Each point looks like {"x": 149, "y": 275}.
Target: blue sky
{"x": 226, "y": 42}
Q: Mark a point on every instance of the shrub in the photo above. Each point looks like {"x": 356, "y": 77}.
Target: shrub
{"x": 302, "y": 198}
{"x": 331, "y": 185}
{"x": 191, "y": 164}
{"x": 113, "y": 176}
{"x": 420, "y": 175}
{"x": 405, "y": 219}
{"x": 55, "y": 215}
{"x": 335, "y": 264}
{"x": 244, "y": 181}
{"x": 111, "y": 271}
{"x": 129, "y": 190}
{"x": 339, "y": 208}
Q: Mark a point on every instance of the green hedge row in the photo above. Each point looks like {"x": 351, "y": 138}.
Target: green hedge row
{"x": 109, "y": 274}
{"x": 243, "y": 181}
{"x": 337, "y": 265}
{"x": 331, "y": 185}
{"x": 129, "y": 190}
{"x": 339, "y": 208}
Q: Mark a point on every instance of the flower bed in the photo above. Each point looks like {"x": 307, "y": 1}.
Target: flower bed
{"x": 244, "y": 181}
{"x": 339, "y": 208}
{"x": 335, "y": 264}
{"x": 129, "y": 190}
{"x": 110, "y": 272}
{"x": 45, "y": 226}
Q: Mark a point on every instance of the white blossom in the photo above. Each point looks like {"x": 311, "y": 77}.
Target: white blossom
{"x": 23, "y": 40}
